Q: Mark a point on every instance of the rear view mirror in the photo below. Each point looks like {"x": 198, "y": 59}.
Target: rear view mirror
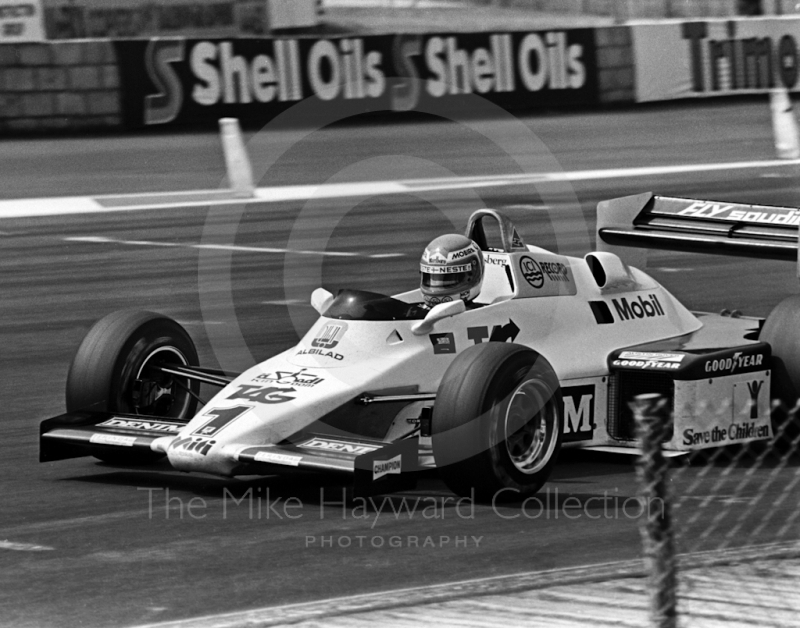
{"x": 437, "y": 313}
{"x": 321, "y": 300}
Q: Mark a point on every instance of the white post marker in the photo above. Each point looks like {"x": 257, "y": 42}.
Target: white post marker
{"x": 237, "y": 163}
{"x": 784, "y": 124}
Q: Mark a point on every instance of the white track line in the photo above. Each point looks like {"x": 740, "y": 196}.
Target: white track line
{"x": 226, "y": 247}
{"x": 23, "y": 547}
{"x": 62, "y": 206}
{"x": 286, "y": 302}
{"x": 58, "y": 525}
{"x": 263, "y": 249}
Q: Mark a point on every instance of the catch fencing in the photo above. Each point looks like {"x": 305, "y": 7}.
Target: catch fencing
{"x": 737, "y": 506}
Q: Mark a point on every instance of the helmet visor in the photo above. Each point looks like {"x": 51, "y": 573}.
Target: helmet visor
{"x": 450, "y": 280}
{"x": 443, "y": 277}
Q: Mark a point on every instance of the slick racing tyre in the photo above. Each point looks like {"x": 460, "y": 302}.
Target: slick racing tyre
{"x": 782, "y": 331}
{"x": 112, "y": 371}
{"x": 497, "y": 422}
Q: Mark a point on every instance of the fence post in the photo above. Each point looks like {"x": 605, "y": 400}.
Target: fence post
{"x": 655, "y": 524}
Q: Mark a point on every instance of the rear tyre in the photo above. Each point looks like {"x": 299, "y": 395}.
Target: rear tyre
{"x": 497, "y": 422}
{"x": 113, "y": 371}
{"x": 782, "y": 331}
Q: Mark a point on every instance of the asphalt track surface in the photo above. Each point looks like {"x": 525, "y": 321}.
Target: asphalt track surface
{"x": 87, "y": 544}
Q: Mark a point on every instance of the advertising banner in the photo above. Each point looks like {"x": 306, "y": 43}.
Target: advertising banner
{"x": 78, "y": 19}
{"x": 700, "y": 59}
{"x": 176, "y": 80}
{"x": 21, "y": 21}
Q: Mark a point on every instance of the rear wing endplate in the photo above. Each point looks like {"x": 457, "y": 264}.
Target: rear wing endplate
{"x": 649, "y": 221}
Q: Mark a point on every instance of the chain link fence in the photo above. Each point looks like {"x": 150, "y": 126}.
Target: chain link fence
{"x": 735, "y": 509}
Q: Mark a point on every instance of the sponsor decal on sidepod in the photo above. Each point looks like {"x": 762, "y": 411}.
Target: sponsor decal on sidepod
{"x": 579, "y": 420}
{"x": 556, "y": 271}
{"x": 531, "y": 271}
{"x": 495, "y": 261}
{"x": 640, "y": 308}
{"x": 443, "y": 343}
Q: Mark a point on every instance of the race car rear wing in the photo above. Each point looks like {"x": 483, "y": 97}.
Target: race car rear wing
{"x": 661, "y": 222}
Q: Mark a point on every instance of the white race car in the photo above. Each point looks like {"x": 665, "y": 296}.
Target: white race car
{"x": 551, "y": 356}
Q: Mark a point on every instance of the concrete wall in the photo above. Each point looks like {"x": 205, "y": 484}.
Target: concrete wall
{"x": 59, "y": 86}
{"x": 615, "y": 64}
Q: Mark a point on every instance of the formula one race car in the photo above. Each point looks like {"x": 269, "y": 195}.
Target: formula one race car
{"x": 550, "y": 354}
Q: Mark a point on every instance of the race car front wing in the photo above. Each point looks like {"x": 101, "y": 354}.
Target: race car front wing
{"x": 376, "y": 467}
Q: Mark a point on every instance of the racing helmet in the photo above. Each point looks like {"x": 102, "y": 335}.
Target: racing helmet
{"x": 451, "y": 268}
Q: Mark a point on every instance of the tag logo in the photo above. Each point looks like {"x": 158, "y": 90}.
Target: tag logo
{"x": 259, "y": 394}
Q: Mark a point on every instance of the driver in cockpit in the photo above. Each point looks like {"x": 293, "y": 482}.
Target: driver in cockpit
{"x": 451, "y": 268}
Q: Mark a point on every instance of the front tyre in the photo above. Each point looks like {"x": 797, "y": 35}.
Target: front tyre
{"x": 497, "y": 422}
{"x": 116, "y": 369}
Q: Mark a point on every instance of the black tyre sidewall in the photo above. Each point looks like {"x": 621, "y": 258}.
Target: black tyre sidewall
{"x": 468, "y": 420}
{"x": 106, "y": 364}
